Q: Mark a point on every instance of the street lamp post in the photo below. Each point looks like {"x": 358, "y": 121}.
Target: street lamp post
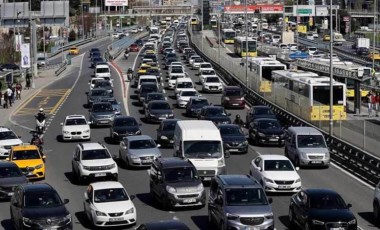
{"x": 82, "y": 21}
{"x": 96, "y": 18}
{"x": 374, "y": 32}
{"x": 246, "y": 42}
{"x": 331, "y": 73}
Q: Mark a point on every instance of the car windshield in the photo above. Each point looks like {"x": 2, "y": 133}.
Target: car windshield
{"x": 142, "y": 144}
{"x": 177, "y": 70}
{"x": 149, "y": 89}
{"x": 101, "y": 84}
{"x": 96, "y": 108}
{"x": 42, "y": 199}
{"x": 110, "y": 195}
{"x": 208, "y": 72}
{"x": 152, "y": 97}
{"x": 263, "y": 111}
{"x": 41, "y": 59}
{"x": 169, "y": 126}
{"x": 327, "y": 201}
{"x": 198, "y": 60}
{"x": 269, "y": 124}
{"x": 188, "y": 93}
{"x": 202, "y": 149}
{"x": 160, "y": 106}
{"x": 185, "y": 85}
{"x": 95, "y": 154}
{"x": 76, "y": 121}
{"x": 99, "y": 93}
{"x": 278, "y": 165}
{"x": 182, "y": 174}
{"x": 311, "y": 141}
{"x": 231, "y": 131}
{"x": 125, "y": 122}
{"x": 236, "y": 92}
{"x": 7, "y": 135}
{"x": 216, "y": 112}
{"x": 245, "y": 197}
{"x": 97, "y": 59}
{"x": 212, "y": 79}
{"x": 206, "y": 66}
{"x": 102, "y": 70}
{"x": 12, "y": 171}
{"x": 26, "y": 154}
{"x": 200, "y": 102}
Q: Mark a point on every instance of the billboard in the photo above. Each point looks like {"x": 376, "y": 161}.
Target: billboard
{"x": 116, "y": 2}
{"x": 304, "y": 10}
{"x": 25, "y": 55}
{"x": 264, "y": 9}
{"x": 18, "y": 41}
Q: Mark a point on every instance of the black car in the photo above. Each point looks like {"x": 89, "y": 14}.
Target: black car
{"x": 104, "y": 84}
{"x": 96, "y": 95}
{"x": 123, "y": 126}
{"x": 139, "y": 42}
{"x": 168, "y": 61}
{"x": 156, "y": 111}
{"x": 266, "y": 131}
{"x": 10, "y": 177}
{"x": 195, "y": 105}
{"x": 95, "y": 50}
{"x": 145, "y": 88}
{"x": 234, "y": 139}
{"x": 153, "y": 97}
{"x": 164, "y": 225}
{"x": 320, "y": 209}
{"x": 216, "y": 114}
{"x": 155, "y": 72}
{"x": 96, "y": 60}
{"x": 9, "y": 66}
{"x": 259, "y": 111}
{"x": 362, "y": 51}
{"x": 165, "y": 132}
{"x": 38, "y": 206}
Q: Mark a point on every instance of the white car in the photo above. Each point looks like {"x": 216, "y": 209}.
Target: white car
{"x": 108, "y": 204}
{"x": 140, "y": 29}
{"x": 192, "y": 58}
{"x": 204, "y": 65}
{"x": 206, "y": 73}
{"x": 134, "y": 30}
{"x": 183, "y": 97}
{"x": 93, "y": 160}
{"x": 212, "y": 84}
{"x": 276, "y": 173}
{"x": 95, "y": 79}
{"x": 183, "y": 83}
{"x": 176, "y": 73}
{"x": 76, "y": 127}
{"x": 174, "y": 65}
{"x": 8, "y": 138}
{"x": 196, "y": 63}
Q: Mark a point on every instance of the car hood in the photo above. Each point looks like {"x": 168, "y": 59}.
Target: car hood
{"x": 13, "y": 181}
{"x": 272, "y": 131}
{"x": 161, "y": 111}
{"x": 124, "y": 129}
{"x": 10, "y": 142}
{"x": 112, "y": 207}
{"x": 75, "y": 127}
{"x": 102, "y": 113}
{"x": 185, "y": 186}
{"x": 218, "y": 118}
{"x": 145, "y": 152}
{"x": 256, "y": 116}
{"x": 201, "y": 164}
{"x": 37, "y": 213}
{"x": 233, "y": 138}
{"x": 248, "y": 211}
{"x": 28, "y": 163}
{"x": 99, "y": 162}
{"x": 281, "y": 175}
{"x": 331, "y": 215}
{"x": 212, "y": 83}
{"x": 169, "y": 133}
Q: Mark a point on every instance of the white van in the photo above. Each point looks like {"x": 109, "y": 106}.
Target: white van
{"x": 146, "y": 78}
{"x": 306, "y": 146}
{"x": 102, "y": 71}
{"x": 200, "y": 142}
{"x": 183, "y": 83}
{"x": 310, "y": 35}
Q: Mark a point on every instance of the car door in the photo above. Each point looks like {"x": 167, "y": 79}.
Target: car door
{"x": 253, "y": 129}
{"x": 154, "y": 183}
{"x": 124, "y": 149}
{"x": 211, "y": 200}
{"x": 16, "y": 207}
{"x": 292, "y": 147}
{"x": 299, "y": 207}
{"x": 257, "y": 168}
{"x": 88, "y": 201}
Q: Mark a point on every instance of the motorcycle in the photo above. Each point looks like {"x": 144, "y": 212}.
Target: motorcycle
{"x": 40, "y": 125}
{"x": 37, "y": 140}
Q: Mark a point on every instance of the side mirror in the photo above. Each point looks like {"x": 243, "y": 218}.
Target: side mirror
{"x": 349, "y": 205}
{"x": 61, "y": 124}
{"x": 44, "y": 157}
{"x": 297, "y": 168}
{"x": 270, "y": 200}
{"x": 132, "y": 197}
{"x": 66, "y": 201}
{"x": 227, "y": 154}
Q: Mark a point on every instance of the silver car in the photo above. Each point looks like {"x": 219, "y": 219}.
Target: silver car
{"x": 138, "y": 151}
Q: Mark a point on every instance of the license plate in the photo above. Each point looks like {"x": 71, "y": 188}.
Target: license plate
{"x": 233, "y": 150}
{"x": 100, "y": 174}
{"x": 235, "y": 104}
{"x": 116, "y": 219}
{"x": 171, "y": 141}
{"x": 206, "y": 178}
{"x": 146, "y": 161}
{"x": 273, "y": 139}
{"x": 76, "y": 137}
{"x": 337, "y": 228}
{"x": 316, "y": 162}
{"x": 103, "y": 122}
{"x": 251, "y": 228}
{"x": 162, "y": 118}
{"x": 10, "y": 194}
{"x": 283, "y": 186}
{"x": 189, "y": 200}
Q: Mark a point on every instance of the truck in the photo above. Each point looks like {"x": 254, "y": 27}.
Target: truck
{"x": 361, "y": 43}
{"x": 200, "y": 142}
{"x": 338, "y": 39}
{"x": 287, "y": 37}
{"x": 42, "y": 60}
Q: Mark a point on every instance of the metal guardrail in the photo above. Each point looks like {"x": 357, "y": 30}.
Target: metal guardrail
{"x": 61, "y": 69}
{"x": 119, "y": 45}
{"x": 356, "y": 161}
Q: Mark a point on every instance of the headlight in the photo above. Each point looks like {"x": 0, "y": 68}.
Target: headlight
{"x": 86, "y": 167}
{"x": 269, "y": 216}
{"x": 221, "y": 162}
{"x": 171, "y": 115}
{"x": 231, "y": 216}
{"x": 318, "y": 222}
{"x": 227, "y": 98}
{"x": 67, "y": 219}
{"x": 65, "y": 132}
{"x": 261, "y": 134}
{"x": 200, "y": 187}
{"x": 303, "y": 155}
{"x": 244, "y": 143}
{"x": 352, "y": 221}
{"x": 129, "y": 211}
{"x": 27, "y": 222}
{"x": 327, "y": 155}
{"x": 170, "y": 189}
{"x": 164, "y": 138}
{"x": 135, "y": 157}
{"x": 39, "y": 166}
{"x": 111, "y": 166}
{"x": 138, "y": 132}
{"x": 86, "y": 131}
{"x": 298, "y": 180}
{"x": 268, "y": 180}
{"x": 98, "y": 213}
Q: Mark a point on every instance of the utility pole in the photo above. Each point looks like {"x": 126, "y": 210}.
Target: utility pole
{"x": 331, "y": 124}
{"x": 96, "y": 18}
{"x": 82, "y": 20}
{"x": 374, "y": 32}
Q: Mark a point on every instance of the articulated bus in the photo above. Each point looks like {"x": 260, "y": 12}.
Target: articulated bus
{"x": 228, "y": 36}
{"x": 240, "y": 47}
{"x": 214, "y": 23}
{"x": 194, "y": 20}
{"x": 310, "y": 93}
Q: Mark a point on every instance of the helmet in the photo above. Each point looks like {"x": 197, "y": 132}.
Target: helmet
{"x": 237, "y": 116}
{"x": 35, "y": 134}
{"x": 41, "y": 109}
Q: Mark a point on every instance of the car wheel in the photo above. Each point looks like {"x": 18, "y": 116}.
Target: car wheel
{"x": 222, "y": 225}
{"x": 376, "y": 212}
{"x": 165, "y": 204}
{"x": 291, "y": 219}
{"x": 122, "y": 162}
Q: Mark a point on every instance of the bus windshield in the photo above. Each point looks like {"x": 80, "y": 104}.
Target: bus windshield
{"x": 229, "y": 35}
{"x": 321, "y": 94}
{"x": 251, "y": 46}
{"x": 202, "y": 149}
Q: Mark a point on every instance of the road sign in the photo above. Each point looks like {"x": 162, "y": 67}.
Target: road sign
{"x": 299, "y": 55}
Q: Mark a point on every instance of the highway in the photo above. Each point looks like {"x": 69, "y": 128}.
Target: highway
{"x": 136, "y": 180}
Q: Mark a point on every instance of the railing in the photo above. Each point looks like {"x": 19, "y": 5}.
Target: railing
{"x": 343, "y": 152}
{"x": 117, "y": 47}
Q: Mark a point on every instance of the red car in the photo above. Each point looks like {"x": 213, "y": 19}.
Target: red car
{"x": 134, "y": 48}
{"x": 233, "y": 97}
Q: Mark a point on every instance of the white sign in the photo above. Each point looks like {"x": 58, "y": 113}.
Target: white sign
{"x": 321, "y": 11}
{"x": 116, "y": 2}
{"x": 18, "y": 41}
{"x": 25, "y": 55}
{"x": 304, "y": 10}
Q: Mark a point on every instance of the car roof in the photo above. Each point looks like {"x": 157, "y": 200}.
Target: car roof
{"x": 304, "y": 130}
{"x": 124, "y": 117}
{"x": 24, "y": 147}
{"x": 213, "y": 107}
{"x": 75, "y": 116}
{"x": 139, "y": 137}
{"x": 315, "y": 191}
{"x": 106, "y": 184}
{"x": 91, "y": 146}
{"x": 7, "y": 164}
{"x": 174, "y": 162}
{"x": 266, "y": 119}
{"x": 238, "y": 180}
{"x": 273, "y": 157}
{"x": 37, "y": 187}
{"x": 4, "y": 129}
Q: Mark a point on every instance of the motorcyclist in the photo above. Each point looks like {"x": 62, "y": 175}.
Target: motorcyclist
{"x": 41, "y": 116}
{"x": 37, "y": 140}
{"x": 129, "y": 73}
{"x": 238, "y": 120}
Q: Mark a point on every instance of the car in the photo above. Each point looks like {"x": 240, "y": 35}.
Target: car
{"x": 212, "y": 84}
{"x": 266, "y": 131}
{"x": 315, "y": 208}
{"x": 134, "y": 48}
{"x": 115, "y": 104}
{"x": 9, "y": 66}
{"x": 42, "y": 61}
{"x": 134, "y": 30}
{"x": 104, "y": 85}
{"x": 95, "y": 95}
{"x": 233, "y": 97}
{"x": 146, "y": 79}
{"x": 156, "y": 111}
{"x": 29, "y": 159}
{"x": 145, "y": 88}
{"x": 101, "y": 113}
{"x": 39, "y": 205}
{"x": 139, "y": 42}
{"x": 259, "y": 111}
{"x": 238, "y": 202}
{"x": 75, "y": 127}
{"x": 123, "y": 126}
{"x": 183, "y": 97}
{"x": 163, "y": 225}
{"x": 216, "y": 114}
{"x": 206, "y": 72}
{"x": 96, "y": 60}
{"x": 95, "y": 79}
{"x": 164, "y": 46}
{"x": 275, "y": 173}
{"x": 204, "y": 65}
{"x": 153, "y": 97}
{"x": 183, "y": 83}
{"x": 192, "y": 58}
{"x": 154, "y": 71}
{"x": 115, "y": 35}
{"x": 326, "y": 37}
{"x": 174, "y": 182}
{"x": 94, "y": 50}
{"x": 138, "y": 151}
{"x": 362, "y": 51}
{"x": 150, "y": 56}
{"x": 170, "y": 56}
{"x": 196, "y": 63}
{"x": 92, "y": 161}
{"x": 168, "y": 50}
{"x": 165, "y": 132}
{"x": 74, "y": 51}
{"x": 107, "y": 204}
{"x": 186, "y": 51}
{"x": 10, "y": 177}
{"x": 174, "y": 74}
{"x": 8, "y": 138}
{"x": 315, "y": 35}
{"x": 234, "y": 139}
{"x": 195, "y": 105}
{"x": 142, "y": 69}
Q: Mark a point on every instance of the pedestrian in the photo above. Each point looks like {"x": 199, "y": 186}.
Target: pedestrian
{"x": 27, "y": 84}
{"x": 18, "y": 90}
{"x": 377, "y": 101}
{"x": 369, "y": 104}
{"x": 9, "y": 96}
{"x": 5, "y": 106}
{"x": 1, "y": 97}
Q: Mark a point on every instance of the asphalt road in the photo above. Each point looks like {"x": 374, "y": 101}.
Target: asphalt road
{"x": 136, "y": 180}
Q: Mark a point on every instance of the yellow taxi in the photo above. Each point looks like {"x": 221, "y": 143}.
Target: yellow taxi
{"x": 374, "y": 54}
{"x": 326, "y": 37}
{"x": 29, "y": 159}
{"x": 143, "y": 68}
{"x": 74, "y": 51}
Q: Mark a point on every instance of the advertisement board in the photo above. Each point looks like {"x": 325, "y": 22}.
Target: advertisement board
{"x": 304, "y": 10}
{"x": 264, "y": 9}
{"x": 18, "y": 41}
{"x": 25, "y": 55}
{"x": 116, "y": 2}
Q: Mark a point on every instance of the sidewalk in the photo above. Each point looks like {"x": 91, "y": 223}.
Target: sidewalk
{"x": 44, "y": 78}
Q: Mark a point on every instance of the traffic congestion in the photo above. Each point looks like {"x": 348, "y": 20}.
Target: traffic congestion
{"x": 182, "y": 150}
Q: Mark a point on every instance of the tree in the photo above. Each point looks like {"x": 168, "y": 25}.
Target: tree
{"x": 72, "y": 36}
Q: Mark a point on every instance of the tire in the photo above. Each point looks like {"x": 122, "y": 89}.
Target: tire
{"x": 210, "y": 220}
{"x": 291, "y": 219}
{"x": 376, "y": 212}
{"x": 306, "y": 227}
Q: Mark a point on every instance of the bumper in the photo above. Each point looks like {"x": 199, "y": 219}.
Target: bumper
{"x": 236, "y": 225}
{"x": 270, "y": 141}
{"x": 212, "y": 89}
{"x": 112, "y": 173}
{"x": 187, "y": 200}
{"x": 236, "y": 149}
{"x": 273, "y": 187}
{"x": 100, "y": 122}
{"x": 234, "y": 104}
{"x": 137, "y": 162}
{"x": 166, "y": 141}
{"x": 4, "y": 153}
{"x": 315, "y": 163}
{"x": 105, "y": 221}
{"x": 324, "y": 227}
{"x": 45, "y": 226}
{"x": 157, "y": 119}
{"x": 6, "y": 193}
{"x": 35, "y": 174}
{"x": 83, "y": 136}
{"x": 208, "y": 175}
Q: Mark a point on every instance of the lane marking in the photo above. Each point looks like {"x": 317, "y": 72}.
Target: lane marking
{"x": 61, "y": 100}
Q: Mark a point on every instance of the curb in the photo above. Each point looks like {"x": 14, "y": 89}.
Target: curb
{"x": 118, "y": 69}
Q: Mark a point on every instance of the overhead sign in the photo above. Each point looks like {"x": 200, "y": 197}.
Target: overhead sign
{"x": 25, "y": 55}
{"x": 304, "y": 10}
{"x": 321, "y": 11}
{"x": 116, "y": 2}
{"x": 298, "y": 55}
{"x": 264, "y": 9}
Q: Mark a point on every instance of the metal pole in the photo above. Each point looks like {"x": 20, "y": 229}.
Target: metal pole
{"x": 246, "y": 42}
{"x": 202, "y": 27}
{"x": 82, "y": 21}
{"x": 31, "y": 42}
{"x": 374, "y": 33}
{"x": 96, "y": 18}
{"x": 283, "y": 17}
{"x": 43, "y": 33}
{"x": 336, "y": 20}
{"x": 331, "y": 73}
{"x": 297, "y": 24}
{"x": 62, "y": 41}
{"x": 219, "y": 41}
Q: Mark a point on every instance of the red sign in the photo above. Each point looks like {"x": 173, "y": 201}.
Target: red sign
{"x": 265, "y": 9}
{"x": 346, "y": 19}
